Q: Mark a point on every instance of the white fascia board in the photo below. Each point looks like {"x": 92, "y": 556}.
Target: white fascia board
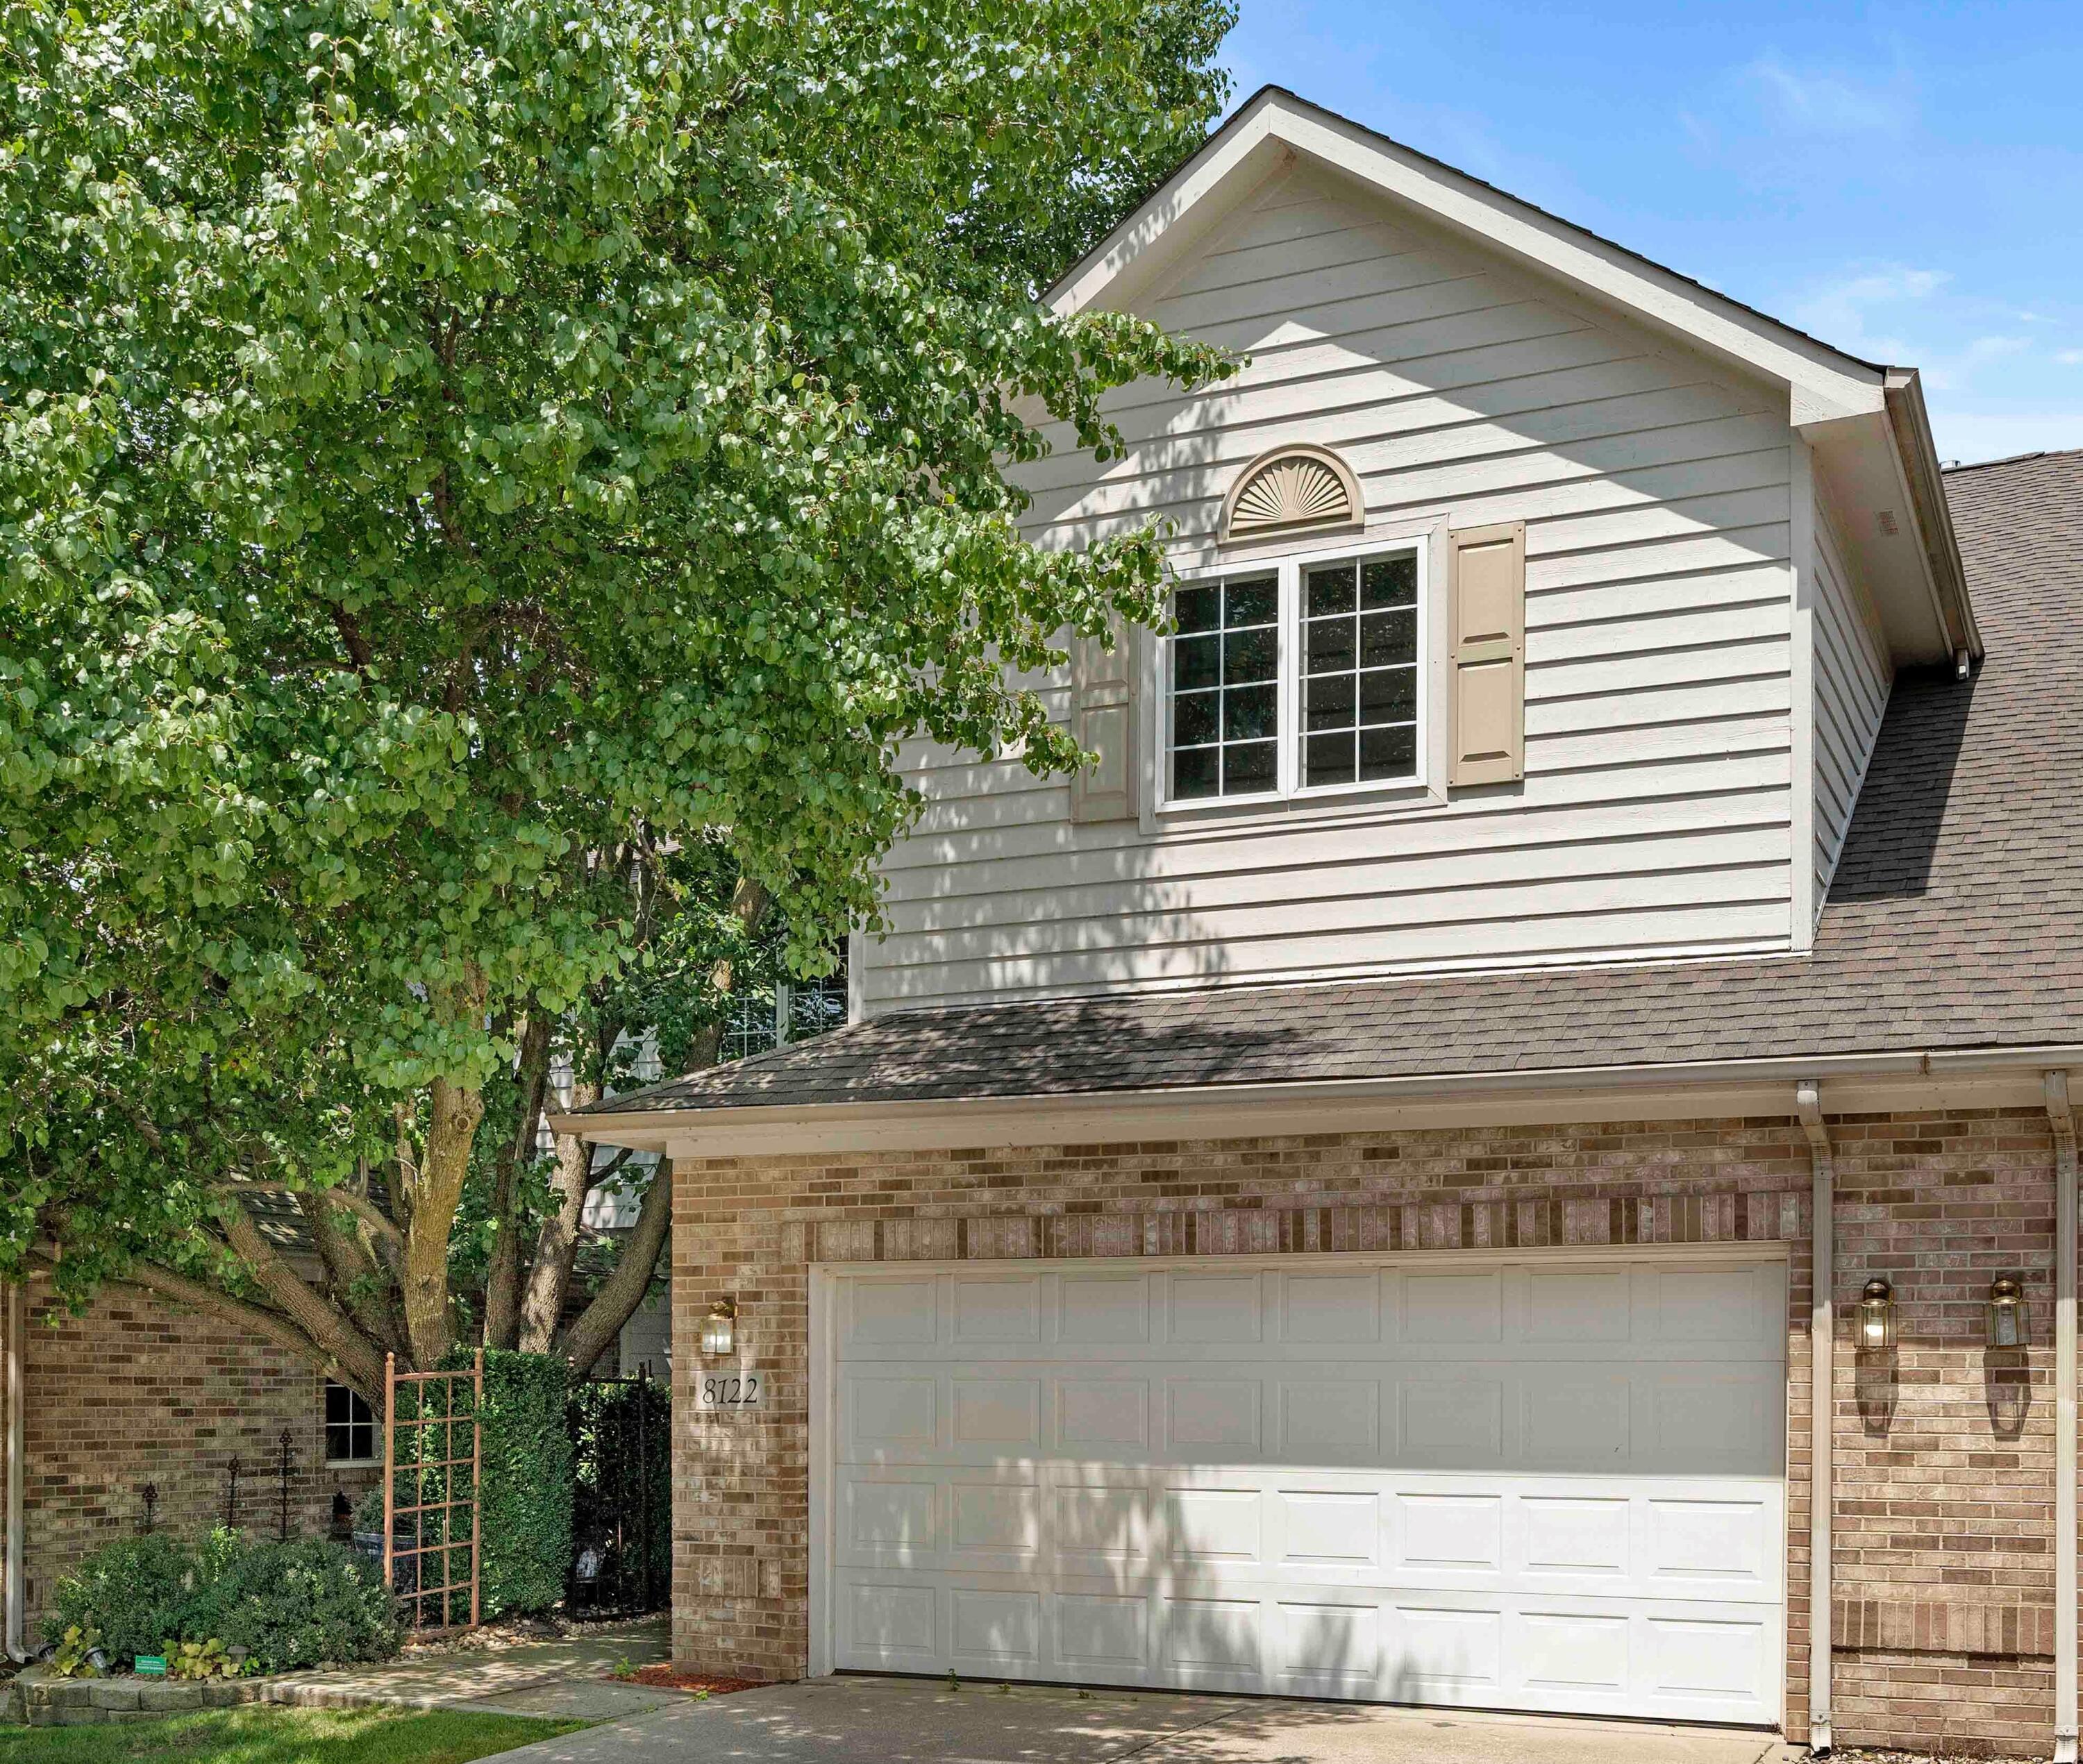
{"x": 1851, "y": 1083}
{"x": 1823, "y": 383}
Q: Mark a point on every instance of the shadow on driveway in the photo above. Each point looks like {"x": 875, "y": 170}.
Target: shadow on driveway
{"x": 914, "y": 1721}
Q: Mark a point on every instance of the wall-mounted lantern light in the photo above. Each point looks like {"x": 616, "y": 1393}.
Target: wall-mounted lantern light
{"x": 718, "y": 1332}
{"x": 1876, "y": 1315}
{"x": 2006, "y": 1312}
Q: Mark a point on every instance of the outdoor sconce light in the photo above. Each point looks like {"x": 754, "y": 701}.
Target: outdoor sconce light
{"x": 718, "y": 1334}
{"x": 2006, "y": 1313}
{"x": 1876, "y": 1315}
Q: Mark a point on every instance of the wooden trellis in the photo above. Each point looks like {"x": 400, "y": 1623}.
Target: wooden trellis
{"x": 424, "y": 1412}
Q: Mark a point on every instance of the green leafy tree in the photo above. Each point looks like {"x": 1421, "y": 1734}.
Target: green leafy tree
{"x": 462, "y": 468}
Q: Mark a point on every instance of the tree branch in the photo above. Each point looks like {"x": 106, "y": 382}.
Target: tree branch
{"x": 594, "y": 1329}
{"x": 163, "y": 1283}
{"x": 335, "y": 1334}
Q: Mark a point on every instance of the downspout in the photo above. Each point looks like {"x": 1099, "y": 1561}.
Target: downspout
{"x": 2063, "y": 1120}
{"x": 1808, "y": 1106}
{"x": 17, "y": 1425}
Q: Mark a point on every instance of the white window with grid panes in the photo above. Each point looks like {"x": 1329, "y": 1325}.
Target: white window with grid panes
{"x": 1302, "y": 677}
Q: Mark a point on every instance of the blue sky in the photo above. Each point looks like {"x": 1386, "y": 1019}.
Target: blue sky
{"x": 1906, "y": 182}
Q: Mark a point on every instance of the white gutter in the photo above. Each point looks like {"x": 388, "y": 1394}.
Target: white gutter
{"x": 2063, "y": 1122}
{"x": 1807, "y": 1102}
{"x": 1861, "y": 1083}
{"x": 17, "y": 1425}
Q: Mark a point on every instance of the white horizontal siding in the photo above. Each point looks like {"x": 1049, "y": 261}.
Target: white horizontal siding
{"x": 1656, "y": 816}
{"x": 1852, "y": 674}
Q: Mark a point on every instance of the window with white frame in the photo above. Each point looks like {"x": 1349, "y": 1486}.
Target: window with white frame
{"x": 1296, "y": 677}
{"x": 351, "y": 1435}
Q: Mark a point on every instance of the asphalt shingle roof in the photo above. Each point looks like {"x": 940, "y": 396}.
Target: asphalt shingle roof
{"x": 1955, "y": 921}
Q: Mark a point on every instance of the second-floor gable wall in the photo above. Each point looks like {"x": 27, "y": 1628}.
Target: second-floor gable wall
{"x": 1655, "y": 818}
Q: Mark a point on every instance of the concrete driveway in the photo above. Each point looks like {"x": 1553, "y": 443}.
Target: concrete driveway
{"x": 912, "y": 1721}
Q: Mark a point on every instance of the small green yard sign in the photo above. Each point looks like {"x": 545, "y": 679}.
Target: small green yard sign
{"x": 151, "y": 1666}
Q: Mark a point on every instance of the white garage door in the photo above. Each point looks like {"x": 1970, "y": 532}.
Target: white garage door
{"x": 1531, "y": 1483}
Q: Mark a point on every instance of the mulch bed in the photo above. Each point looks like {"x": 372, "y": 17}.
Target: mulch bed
{"x": 667, "y": 1677}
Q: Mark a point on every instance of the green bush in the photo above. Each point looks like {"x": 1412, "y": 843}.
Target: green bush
{"x": 525, "y": 1500}
{"x": 297, "y": 1604}
{"x": 136, "y": 1591}
{"x": 288, "y": 1605}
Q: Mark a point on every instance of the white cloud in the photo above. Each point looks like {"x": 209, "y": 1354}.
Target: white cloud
{"x": 1841, "y": 313}
{"x": 1822, "y": 101}
{"x": 2069, "y": 358}
{"x": 1970, "y": 436}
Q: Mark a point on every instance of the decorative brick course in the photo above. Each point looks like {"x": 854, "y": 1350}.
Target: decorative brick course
{"x": 136, "y": 1392}
{"x": 1944, "y": 1495}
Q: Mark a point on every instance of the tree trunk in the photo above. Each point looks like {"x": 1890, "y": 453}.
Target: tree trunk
{"x": 557, "y": 1244}
{"x": 437, "y": 1191}
{"x": 502, "y": 1279}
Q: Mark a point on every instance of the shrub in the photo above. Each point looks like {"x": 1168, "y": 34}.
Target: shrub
{"x": 288, "y": 1604}
{"x": 525, "y": 1500}
{"x": 301, "y": 1603}
{"x": 135, "y": 1591}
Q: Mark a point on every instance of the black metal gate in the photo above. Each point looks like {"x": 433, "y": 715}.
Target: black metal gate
{"x": 621, "y": 1531}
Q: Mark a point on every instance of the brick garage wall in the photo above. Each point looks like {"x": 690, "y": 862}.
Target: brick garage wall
{"x": 751, "y": 1228}
{"x": 136, "y": 1392}
{"x": 1944, "y": 1596}
{"x": 1944, "y": 1472}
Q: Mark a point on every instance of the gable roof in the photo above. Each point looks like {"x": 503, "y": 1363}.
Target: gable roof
{"x": 1842, "y": 383}
{"x": 1865, "y": 421}
{"x": 1954, "y": 924}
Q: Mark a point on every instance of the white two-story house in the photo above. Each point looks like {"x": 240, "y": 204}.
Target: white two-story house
{"x": 1508, "y": 1144}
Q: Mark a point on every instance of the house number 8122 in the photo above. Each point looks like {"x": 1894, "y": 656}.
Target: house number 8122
{"x": 731, "y": 1390}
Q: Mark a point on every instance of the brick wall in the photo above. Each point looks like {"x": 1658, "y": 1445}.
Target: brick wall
{"x": 1945, "y": 1460}
{"x": 136, "y": 1392}
{"x": 1944, "y": 1481}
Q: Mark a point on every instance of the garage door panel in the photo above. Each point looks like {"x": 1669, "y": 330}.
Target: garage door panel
{"x": 1225, "y": 1310}
{"x": 1099, "y": 1311}
{"x": 1332, "y": 1309}
{"x": 994, "y": 1629}
{"x": 993, "y": 1523}
{"x": 888, "y": 1522}
{"x": 1453, "y": 1309}
{"x": 1319, "y": 1528}
{"x": 1325, "y": 1649}
{"x": 1577, "y": 1305}
{"x": 1213, "y": 1418}
{"x": 1329, "y": 1421}
{"x": 997, "y": 1412}
{"x": 1108, "y": 1417}
{"x": 891, "y": 1313}
{"x": 1521, "y": 1484}
{"x": 1204, "y": 1527}
{"x": 1452, "y": 1423}
{"x": 1575, "y": 1417}
{"x": 997, "y": 1312}
{"x": 882, "y": 1414}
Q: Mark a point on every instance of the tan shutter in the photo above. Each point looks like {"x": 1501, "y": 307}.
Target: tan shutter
{"x": 1486, "y": 579}
{"x": 1103, "y": 721}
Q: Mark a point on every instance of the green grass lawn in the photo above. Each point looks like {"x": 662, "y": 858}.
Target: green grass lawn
{"x": 259, "y": 1733}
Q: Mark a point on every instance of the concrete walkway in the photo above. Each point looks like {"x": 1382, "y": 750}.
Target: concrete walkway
{"x": 572, "y": 1678}
{"x": 908, "y": 1721}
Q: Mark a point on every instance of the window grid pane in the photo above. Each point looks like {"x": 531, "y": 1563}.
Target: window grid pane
{"x": 1225, "y": 704}
{"x": 350, "y": 1426}
{"x": 1359, "y": 661}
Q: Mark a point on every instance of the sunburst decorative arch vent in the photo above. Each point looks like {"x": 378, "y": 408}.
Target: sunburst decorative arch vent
{"x": 1290, "y": 487}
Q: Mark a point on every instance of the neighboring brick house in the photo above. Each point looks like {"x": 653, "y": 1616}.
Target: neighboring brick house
{"x": 135, "y": 1395}
{"x": 1328, "y": 1202}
